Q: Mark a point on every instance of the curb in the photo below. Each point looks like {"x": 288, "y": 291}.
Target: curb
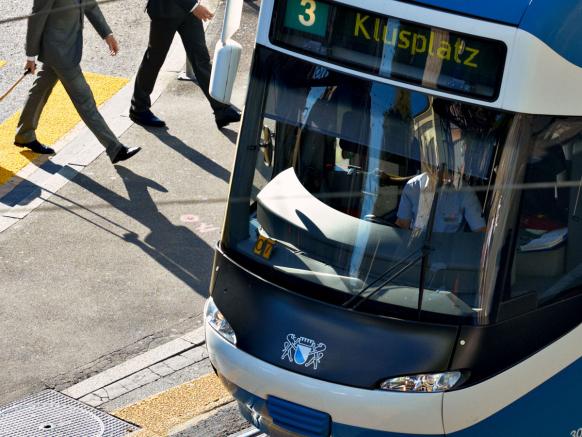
{"x": 249, "y": 432}
{"x": 141, "y": 370}
{"x": 36, "y": 183}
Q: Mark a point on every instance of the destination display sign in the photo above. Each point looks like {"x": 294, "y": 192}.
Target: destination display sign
{"x": 390, "y": 47}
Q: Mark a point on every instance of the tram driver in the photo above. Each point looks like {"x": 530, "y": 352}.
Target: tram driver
{"x": 456, "y": 206}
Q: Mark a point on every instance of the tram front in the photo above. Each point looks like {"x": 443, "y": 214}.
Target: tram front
{"x": 396, "y": 261}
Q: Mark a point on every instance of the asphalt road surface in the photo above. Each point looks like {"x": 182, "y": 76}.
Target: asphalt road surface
{"x": 119, "y": 260}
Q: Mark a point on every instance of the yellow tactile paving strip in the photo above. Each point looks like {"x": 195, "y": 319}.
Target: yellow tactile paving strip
{"x": 58, "y": 118}
{"x": 166, "y": 411}
{"x": 2, "y": 63}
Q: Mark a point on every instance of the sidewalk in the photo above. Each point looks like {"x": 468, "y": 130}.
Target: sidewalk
{"x": 170, "y": 390}
{"x": 120, "y": 258}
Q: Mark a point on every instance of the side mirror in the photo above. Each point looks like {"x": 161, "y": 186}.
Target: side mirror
{"x": 226, "y": 54}
{"x": 267, "y": 146}
{"x": 224, "y": 69}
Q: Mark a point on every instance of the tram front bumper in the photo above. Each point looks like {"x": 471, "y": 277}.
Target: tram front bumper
{"x": 353, "y": 411}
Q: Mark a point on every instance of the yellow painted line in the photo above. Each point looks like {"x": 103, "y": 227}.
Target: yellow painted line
{"x": 58, "y": 118}
{"x": 162, "y": 414}
{"x": 2, "y": 63}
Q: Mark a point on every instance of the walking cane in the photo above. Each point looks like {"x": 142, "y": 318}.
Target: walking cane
{"x": 3, "y": 96}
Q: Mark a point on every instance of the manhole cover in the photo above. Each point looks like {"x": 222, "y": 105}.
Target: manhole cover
{"x": 52, "y": 414}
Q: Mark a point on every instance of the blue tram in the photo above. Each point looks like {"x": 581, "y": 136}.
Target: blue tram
{"x": 402, "y": 251}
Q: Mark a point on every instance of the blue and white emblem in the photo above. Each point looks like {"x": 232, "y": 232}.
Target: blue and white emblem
{"x": 303, "y": 351}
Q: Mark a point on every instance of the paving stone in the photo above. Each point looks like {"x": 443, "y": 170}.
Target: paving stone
{"x": 131, "y": 366}
{"x": 92, "y": 400}
{"x": 139, "y": 379}
{"x": 102, "y": 394}
{"x": 162, "y": 369}
{"x": 6, "y": 222}
{"x": 115, "y": 390}
{"x": 162, "y": 352}
{"x": 178, "y": 362}
{"x": 195, "y": 337}
{"x": 196, "y": 354}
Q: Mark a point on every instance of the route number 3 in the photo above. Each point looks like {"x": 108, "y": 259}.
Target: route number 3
{"x": 576, "y": 432}
{"x": 307, "y": 19}
{"x": 264, "y": 247}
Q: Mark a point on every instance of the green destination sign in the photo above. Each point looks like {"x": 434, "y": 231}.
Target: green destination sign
{"x": 389, "y": 47}
{"x": 307, "y": 15}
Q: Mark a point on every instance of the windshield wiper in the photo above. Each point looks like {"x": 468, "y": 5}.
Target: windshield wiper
{"x": 403, "y": 265}
{"x": 400, "y": 267}
{"x": 426, "y": 247}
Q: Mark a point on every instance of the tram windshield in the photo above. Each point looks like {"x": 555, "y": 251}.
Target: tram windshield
{"x": 350, "y": 174}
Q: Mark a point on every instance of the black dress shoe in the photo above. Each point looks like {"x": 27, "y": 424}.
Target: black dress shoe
{"x": 125, "y": 153}
{"x": 36, "y": 147}
{"x": 146, "y": 118}
{"x": 226, "y": 116}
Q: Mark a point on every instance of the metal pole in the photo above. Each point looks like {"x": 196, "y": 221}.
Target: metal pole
{"x": 188, "y": 74}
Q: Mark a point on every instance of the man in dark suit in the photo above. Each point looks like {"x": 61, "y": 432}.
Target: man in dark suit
{"x": 55, "y": 35}
{"x": 167, "y": 18}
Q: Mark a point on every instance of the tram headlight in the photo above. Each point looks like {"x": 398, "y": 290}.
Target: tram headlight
{"x": 215, "y": 319}
{"x": 424, "y": 383}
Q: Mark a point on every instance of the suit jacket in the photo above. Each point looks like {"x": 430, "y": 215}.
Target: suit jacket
{"x": 55, "y": 30}
{"x": 167, "y": 9}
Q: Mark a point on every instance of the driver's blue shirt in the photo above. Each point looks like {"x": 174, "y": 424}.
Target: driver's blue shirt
{"x": 455, "y": 207}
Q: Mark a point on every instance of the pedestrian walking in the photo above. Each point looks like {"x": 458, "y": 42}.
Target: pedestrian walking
{"x": 55, "y": 36}
{"x": 167, "y": 18}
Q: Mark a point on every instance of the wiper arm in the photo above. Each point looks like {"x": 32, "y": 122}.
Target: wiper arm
{"x": 426, "y": 248}
{"x": 398, "y": 268}
{"x": 392, "y": 277}
{"x": 403, "y": 265}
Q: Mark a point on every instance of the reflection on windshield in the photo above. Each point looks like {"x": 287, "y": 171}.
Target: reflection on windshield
{"x": 548, "y": 254}
{"x": 353, "y": 181}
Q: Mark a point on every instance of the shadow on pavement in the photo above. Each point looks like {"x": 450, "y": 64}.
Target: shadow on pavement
{"x": 23, "y": 191}
{"x": 176, "y": 248}
{"x": 230, "y": 134}
{"x": 253, "y": 4}
{"x": 191, "y": 154}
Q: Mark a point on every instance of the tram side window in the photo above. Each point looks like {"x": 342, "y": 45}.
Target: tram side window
{"x": 548, "y": 258}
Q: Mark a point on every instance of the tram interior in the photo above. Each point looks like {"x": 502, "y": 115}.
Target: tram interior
{"x": 548, "y": 259}
{"x": 336, "y": 172}
{"x": 331, "y": 174}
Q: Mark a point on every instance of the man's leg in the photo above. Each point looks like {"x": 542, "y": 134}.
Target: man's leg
{"x": 38, "y": 95}
{"x": 192, "y": 33}
{"x": 161, "y": 35}
{"x": 82, "y": 97}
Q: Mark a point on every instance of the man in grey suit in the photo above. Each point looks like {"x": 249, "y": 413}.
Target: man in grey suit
{"x": 169, "y": 17}
{"x": 55, "y": 35}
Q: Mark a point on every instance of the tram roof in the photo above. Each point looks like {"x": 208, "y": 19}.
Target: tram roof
{"x": 555, "y": 22}
{"x": 507, "y": 12}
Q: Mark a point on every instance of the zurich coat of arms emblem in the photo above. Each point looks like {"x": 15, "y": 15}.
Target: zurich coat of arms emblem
{"x": 303, "y": 351}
